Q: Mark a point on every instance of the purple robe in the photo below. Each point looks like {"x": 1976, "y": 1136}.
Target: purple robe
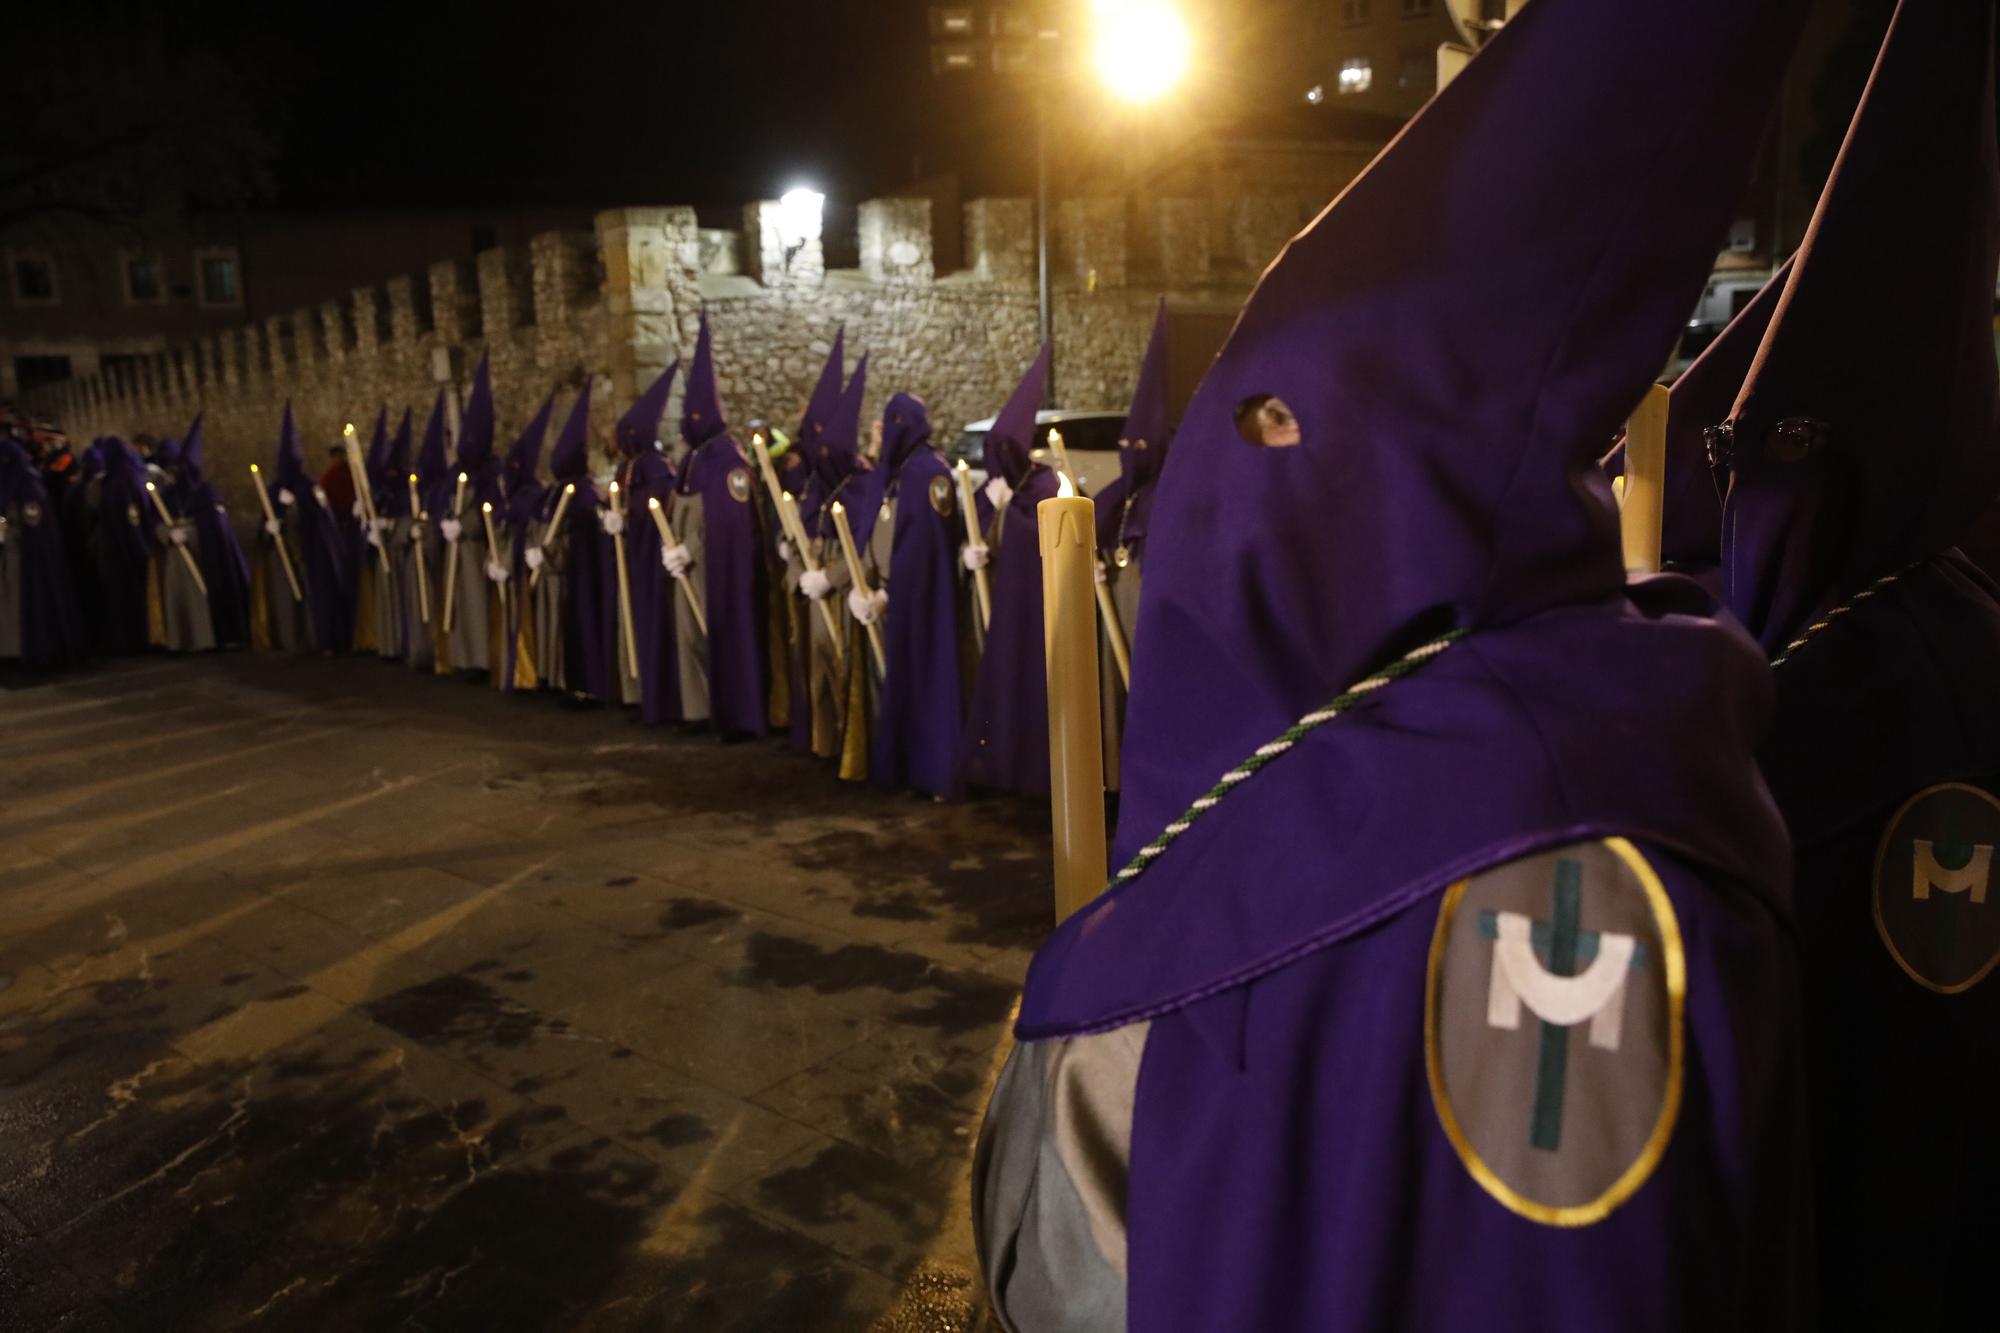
{"x": 735, "y": 584}
{"x": 524, "y": 494}
{"x": 1863, "y": 442}
{"x": 1006, "y": 742}
{"x": 1359, "y": 1005}
{"x": 324, "y": 571}
{"x": 48, "y": 632}
{"x": 918, "y": 726}
{"x": 224, "y": 567}
{"x": 119, "y": 552}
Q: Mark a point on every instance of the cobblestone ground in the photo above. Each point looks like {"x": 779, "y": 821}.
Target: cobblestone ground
{"x": 336, "y": 997}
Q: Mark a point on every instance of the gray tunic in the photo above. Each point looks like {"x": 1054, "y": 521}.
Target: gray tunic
{"x": 186, "y": 619}
{"x": 691, "y": 645}
{"x": 545, "y": 592}
{"x": 469, "y": 632}
{"x": 389, "y": 618}
{"x": 414, "y": 545}
{"x": 291, "y": 627}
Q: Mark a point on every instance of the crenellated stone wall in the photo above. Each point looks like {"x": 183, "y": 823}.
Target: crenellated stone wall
{"x": 616, "y": 304}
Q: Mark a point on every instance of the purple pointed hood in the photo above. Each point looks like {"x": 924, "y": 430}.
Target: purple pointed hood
{"x": 191, "y": 449}
{"x": 1863, "y": 439}
{"x": 524, "y": 456}
{"x": 826, "y": 395}
{"x": 639, "y": 428}
{"x": 289, "y": 470}
{"x": 376, "y": 459}
{"x": 570, "y": 458}
{"x": 906, "y": 429}
{"x": 1012, "y": 438}
{"x": 836, "y": 454}
{"x": 396, "y": 465}
{"x": 1142, "y": 443}
{"x": 702, "y": 416}
{"x": 475, "y": 442}
{"x": 432, "y": 464}
{"x": 1455, "y": 336}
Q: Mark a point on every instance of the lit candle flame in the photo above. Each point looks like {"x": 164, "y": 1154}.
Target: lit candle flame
{"x": 253, "y": 467}
{"x": 570, "y": 489}
{"x": 149, "y": 485}
{"x": 839, "y": 508}
{"x": 652, "y": 502}
{"x": 1063, "y": 488}
{"x": 463, "y": 478}
{"x": 348, "y": 429}
{"x": 413, "y": 478}
{"x": 486, "y": 507}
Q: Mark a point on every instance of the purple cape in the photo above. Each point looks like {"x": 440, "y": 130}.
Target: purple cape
{"x": 734, "y": 585}
{"x": 118, "y": 550}
{"x": 224, "y": 567}
{"x": 1126, "y": 505}
{"x": 646, "y": 474}
{"x": 51, "y": 627}
{"x": 1864, "y": 442}
{"x": 588, "y": 626}
{"x": 323, "y": 548}
{"x": 1449, "y": 413}
{"x": 916, "y": 736}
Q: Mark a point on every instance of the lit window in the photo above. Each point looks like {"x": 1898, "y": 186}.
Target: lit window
{"x": 143, "y": 281}
{"x": 1416, "y": 9}
{"x": 1316, "y": 94}
{"x": 221, "y": 284}
{"x": 1353, "y": 12}
{"x": 1356, "y": 75}
{"x": 34, "y": 277}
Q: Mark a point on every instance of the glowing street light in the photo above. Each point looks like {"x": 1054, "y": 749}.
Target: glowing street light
{"x": 1141, "y": 48}
{"x": 800, "y": 214}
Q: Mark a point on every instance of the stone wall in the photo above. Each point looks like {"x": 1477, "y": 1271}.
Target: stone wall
{"x": 617, "y": 304}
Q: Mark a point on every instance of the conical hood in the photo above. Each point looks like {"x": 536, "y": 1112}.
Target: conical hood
{"x": 702, "y": 417}
{"x": 377, "y": 457}
{"x": 432, "y": 464}
{"x": 1012, "y": 439}
{"x": 191, "y": 447}
{"x": 825, "y": 395}
{"x": 525, "y": 454}
{"x": 397, "y": 464}
{"x": 290, "y": 468}
{"x": 840, "y": 440}
{"x": 475, "y": 442}
{"x": 570, "y": 458}
{"x": 1410, "y": 410}
{"x": 1864, "y": 436}
{"x": 639, "y": 428}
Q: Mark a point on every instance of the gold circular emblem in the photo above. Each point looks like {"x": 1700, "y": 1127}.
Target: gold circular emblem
{"x": 739, "y": 485}
{"x": 1933, "y": 870}
{"x": 942, "y": 498}
{"x": 31, "y": 513}
{"x": 132, "y": 514}
{"x": 1553, "y": 1028}
{"x": 1122, "y": 556}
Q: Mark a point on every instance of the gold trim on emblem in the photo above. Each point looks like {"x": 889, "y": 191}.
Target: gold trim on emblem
{"x": 1642, "y": 1167}
{"x": 942, "y": 499}
{"x": 1875, "y": 893}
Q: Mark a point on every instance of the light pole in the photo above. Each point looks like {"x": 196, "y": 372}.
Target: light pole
{"x": 1140, "y": 50}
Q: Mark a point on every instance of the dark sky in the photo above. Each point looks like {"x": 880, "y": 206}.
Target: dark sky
{"x": 587, "y": 102}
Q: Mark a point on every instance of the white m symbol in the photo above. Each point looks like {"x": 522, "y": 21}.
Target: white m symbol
{"x": 1972, "y": 875}
{"x": 1518, "y": 978}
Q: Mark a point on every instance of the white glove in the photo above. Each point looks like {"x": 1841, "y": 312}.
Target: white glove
{"x": 677, "y": 560}
{"x": 360, "y": 510}
{"x": 815, "y": 584}
{"x": 416, "y": 531}
{"x": 1102, "y": 574}
{"x": 867, "y": 607}
{"x": 534, "y": 557}
{"x": 785, "y": 551}
{"x": 286, "y": 498}
{"x": 496, "y": 571}
{"x": 384, "y": 524}
{"x": 998, "y": 492}
{"x": 374, "y": 535}
{"x": 450, "y": 528}
{"x": 613, "y": 522}
{"x": 178, "y": 535}
{"x": 975, "y": 557}
{"x": 272, "y": 526}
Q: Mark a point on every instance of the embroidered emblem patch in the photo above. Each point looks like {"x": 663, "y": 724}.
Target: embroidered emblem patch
{"x": 739, "y": 485}
{"x": 132, "y": 514}
{"x": 1552, "y": 1028}
{"x": 942, "y": 498}
{"x": 31, "y": 513}
{"x": 1937, "y": 908}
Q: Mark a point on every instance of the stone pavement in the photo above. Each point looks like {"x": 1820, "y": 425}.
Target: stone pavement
{"x": 336, "y": 997}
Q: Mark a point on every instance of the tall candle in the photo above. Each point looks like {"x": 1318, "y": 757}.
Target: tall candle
{"x": 624, "y": 594}
{"x": 1639, "y": 513}
{"x": 1068, "y": 529}
{"x": 417, "y": 540}
{"x": 271, "y": 515}
{"x": 667, "y": 540}
{"x": 966, "y": 507}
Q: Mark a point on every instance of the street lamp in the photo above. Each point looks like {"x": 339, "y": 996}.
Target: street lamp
{"x": 1141, "y": 50}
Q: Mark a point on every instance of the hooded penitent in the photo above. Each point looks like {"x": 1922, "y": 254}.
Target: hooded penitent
{"x": 319, "y": 553}
{"x": 521, "y": 494}
{"x": 469, "y": 641}
{"x": 39, "y": 622}
{"x": 1863, "y": 444}
{"x": 1344, "y": 1120}
{"x": 118, "y": 549}
{"x": 574, "y": 638}
{"x": 1125, "y": 506}
{"x": 834, "y": 457}
{"x": 1006, "y": 740}
{"x": 917, "y": 732}
{"x": 419, "y": 550}
{"x": 825, "y": 396}
{"x": 645, "y": 474}
{"x": 731, "y": 570}
{"x": 224, "y": 567}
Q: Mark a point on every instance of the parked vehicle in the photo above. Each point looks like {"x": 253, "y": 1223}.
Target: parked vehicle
{"x": 1091, "y": 439}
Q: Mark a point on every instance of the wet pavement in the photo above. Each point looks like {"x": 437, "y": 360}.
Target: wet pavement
{"x": 336, "y": 997}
